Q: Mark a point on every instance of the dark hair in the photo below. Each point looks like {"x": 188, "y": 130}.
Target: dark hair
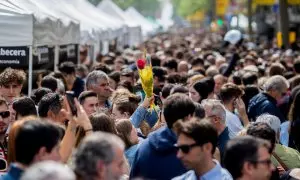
{"x": 40, "y": 134}
{"x": 102, "y": 67}
{"x": 160, "y": 73}
{"x": 102, "y": 122}
{"x": 50, "y": 102}
{"x": 127, "y": 103}
{"x": 249, "y": 92}
{"x": 249, "y": 78}
{"x": 24, "y": 106}
{"x": 240, "y": 150}
{"x": 202, "y": 131}
{"x": 178, "y": 88}
{"x": 177, "y": 106}
{"x": 276, "y": 69}
{"x": 155, "y": 61}
{"x": 174, "y": 78}
{"x": 10, "y": 75}
{"x": 49, "y": 82}
{"x": 37, "y": 94}
{"x": 115, "y": 76}
{"x": 67, "y": 67}
{"x": 197, "y": 61}
{"x": 263, "y": 131}
{"x": 86, "y": 94}
{"x": 294, "y": 117}
{"x": 165, "y": 92}
{"x": 126, "y": 84}
{"x": 236, "y": 78}
{"x": 201, "y": 88}
{"x": 210, "y": 84}
{"x": 230, "y": 91}
{"x": 199, "y": 111}
{"x": 297, "y": 65}
{"x": 124, "y": 128}
{"x": 171, "y": 64}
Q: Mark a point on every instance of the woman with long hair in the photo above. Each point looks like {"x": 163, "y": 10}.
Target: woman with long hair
{"x": 128, "y": 134}
{"x": 294, "y": 117}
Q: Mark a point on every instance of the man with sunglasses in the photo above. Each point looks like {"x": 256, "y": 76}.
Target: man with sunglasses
{"x": 196, "y": 144}
{"x": 248, "y": 158}
{"x": 4, "y": 123}
{"x": 275, "y": 89}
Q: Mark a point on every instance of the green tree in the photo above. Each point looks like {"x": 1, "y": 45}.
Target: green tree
{"x": 146, "y": 7}
{"x": 188, "y": 7}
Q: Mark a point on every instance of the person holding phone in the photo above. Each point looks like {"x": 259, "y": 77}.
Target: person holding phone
{"x": 236, "y": 114}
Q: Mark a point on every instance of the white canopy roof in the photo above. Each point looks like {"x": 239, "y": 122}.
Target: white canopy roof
{"x": 114, "y": 25}
{"x": 16, "y": 28}
{"x": 112, "y": 9}
{"x": 68, "y": 29}
{"x": 146, "y": 25}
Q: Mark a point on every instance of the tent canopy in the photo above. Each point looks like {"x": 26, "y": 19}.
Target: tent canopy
{"x": 16, "y": 28}
{"x": 112, "y": 9}
{"x": 146, "y": 25}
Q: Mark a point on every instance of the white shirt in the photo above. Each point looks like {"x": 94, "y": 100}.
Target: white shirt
{"x": 233, "y": 123}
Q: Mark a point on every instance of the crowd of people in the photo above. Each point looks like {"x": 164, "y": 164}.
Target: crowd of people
{"x": 222, "y": 111}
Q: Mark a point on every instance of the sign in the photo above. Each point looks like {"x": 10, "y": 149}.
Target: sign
{"x": 68, "y": 53}
{"x": 292, "y": 38}
{"x": 221, "y": 7}
{"x": 272, "y": 2}
{"x": 43, "y": 57}
{"x": 15, "y": 57}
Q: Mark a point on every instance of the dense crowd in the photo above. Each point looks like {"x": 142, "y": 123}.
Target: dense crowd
{"x": 222, "y": 111}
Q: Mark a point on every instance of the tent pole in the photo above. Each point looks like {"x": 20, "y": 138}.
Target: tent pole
{"x": 56, "y": 57}
{"x": 30, "y": 71}
{"x": 78, "y": 53}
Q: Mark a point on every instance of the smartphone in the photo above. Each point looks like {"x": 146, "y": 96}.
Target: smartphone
{"x": 71, "y": 102}
{"x": 157, "y": 100}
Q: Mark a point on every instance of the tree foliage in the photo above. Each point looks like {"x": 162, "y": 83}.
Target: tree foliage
{"x": 188, "y": 7}
{"x": 146, "y": 7}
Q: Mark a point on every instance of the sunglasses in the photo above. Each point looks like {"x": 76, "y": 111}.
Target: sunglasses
{"x": 186, "y": 148}
{"x": 5, "y": 114}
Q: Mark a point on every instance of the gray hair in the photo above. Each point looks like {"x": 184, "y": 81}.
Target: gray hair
{"x": 93, "y": 78}
{"x": 277, "y": 83}
{"x": 96, "y": 147}
{"x": 48, "y": 170}
{"x": 214, "y": 108}
{"x": 271, "y": 120}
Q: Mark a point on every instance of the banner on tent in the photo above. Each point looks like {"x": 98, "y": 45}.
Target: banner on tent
{"x": 68, "y": 53}
{"x": 14, "y": 56}
{"x": 43, "y": 58}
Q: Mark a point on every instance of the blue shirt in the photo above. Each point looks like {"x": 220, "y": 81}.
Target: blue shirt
{"x": 284, "y": 133}
{"x": 216, "y": 173}
{"x": 14, "y": 173}
{"x": 223, "y": 138}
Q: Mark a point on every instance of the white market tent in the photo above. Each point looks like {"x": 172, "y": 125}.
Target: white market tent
{"x": 116, "y": 26}
{"x": 112, "y": 9}
{"x": 11, "y": 23}
{"x": 147, "y": 26}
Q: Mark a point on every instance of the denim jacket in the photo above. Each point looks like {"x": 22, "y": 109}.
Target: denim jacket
{"x": 141, "y": 114}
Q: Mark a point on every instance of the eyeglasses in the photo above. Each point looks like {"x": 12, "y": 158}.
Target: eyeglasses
{"x": 5, "y": 114}
{"x": 185, "y": 148}
{"x": 267, "y": 162}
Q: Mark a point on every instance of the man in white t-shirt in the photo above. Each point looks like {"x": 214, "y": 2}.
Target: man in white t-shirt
{"x": 236, "y": 115}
